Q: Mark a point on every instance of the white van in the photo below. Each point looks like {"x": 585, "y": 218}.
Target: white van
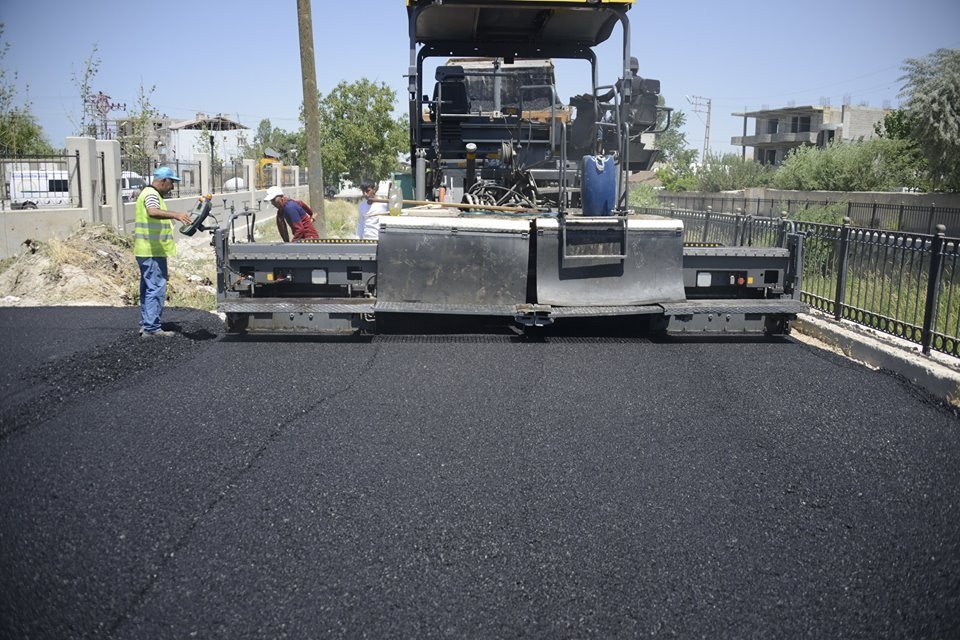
{"x": 131, "y": 183}
{"x": 33, "y": 189}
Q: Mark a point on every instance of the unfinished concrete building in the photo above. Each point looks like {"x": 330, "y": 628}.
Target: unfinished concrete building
{"x": 777, "y": 131}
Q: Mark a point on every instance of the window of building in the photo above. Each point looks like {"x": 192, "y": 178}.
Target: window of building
{"x": 773, "y": 126}
{"x": 770, "y": 156}
{"x": 800, "y": 124}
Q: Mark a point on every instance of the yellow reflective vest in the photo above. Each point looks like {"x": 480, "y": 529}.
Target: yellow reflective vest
{"x": 152, "y": 237}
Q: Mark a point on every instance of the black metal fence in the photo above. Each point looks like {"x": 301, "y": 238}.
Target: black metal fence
{"x": 230, "y": 176}
{"x": 903, "y": 284}
{"x": 41, "y": 181}
{"x": 874, "y": 215}
{"x": 134, "y": 171}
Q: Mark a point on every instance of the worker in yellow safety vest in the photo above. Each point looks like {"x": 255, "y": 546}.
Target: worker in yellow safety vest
{"x": 153, "y": 243}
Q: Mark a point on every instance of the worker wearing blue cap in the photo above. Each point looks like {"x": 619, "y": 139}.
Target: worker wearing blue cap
{"x": 153, "y": 243}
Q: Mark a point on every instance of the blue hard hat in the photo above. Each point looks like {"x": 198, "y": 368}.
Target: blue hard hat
{"x": 165, "y": 172}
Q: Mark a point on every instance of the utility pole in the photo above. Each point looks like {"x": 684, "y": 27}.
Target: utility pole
{"x": 311, "y": 112}
{"x": 703, "y": 105}
{"x": 101, "y": 105}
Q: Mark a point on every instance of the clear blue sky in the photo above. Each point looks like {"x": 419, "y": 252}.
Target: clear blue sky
{"x": 242, "y": 59}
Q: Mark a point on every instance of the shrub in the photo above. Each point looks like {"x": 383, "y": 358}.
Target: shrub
{"x": 880, "y": 164}
{"x": 731, "y": 173}
{"x": 643, "y": 196}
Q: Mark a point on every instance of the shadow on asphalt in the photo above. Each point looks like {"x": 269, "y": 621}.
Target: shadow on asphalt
{"x": 461, "y": 329}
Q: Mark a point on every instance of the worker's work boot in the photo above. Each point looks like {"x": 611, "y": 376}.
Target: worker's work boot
{"x": 160, "y": 333}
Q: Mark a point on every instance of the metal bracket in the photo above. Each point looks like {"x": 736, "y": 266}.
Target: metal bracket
{"x": 603, "y": 221}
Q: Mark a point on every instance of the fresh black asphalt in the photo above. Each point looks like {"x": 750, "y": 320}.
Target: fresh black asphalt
{"x": 463, "y": 486}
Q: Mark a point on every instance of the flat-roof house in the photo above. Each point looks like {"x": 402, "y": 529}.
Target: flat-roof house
{"x": 777, "y": 131}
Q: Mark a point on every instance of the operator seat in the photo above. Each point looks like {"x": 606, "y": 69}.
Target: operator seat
{"x": 452, "y": 85}
{"x": 583, "y": 130}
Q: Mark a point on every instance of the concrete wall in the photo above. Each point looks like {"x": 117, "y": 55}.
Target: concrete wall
{"x": 949, "y": 200}
{"x": 858, "y": 122}
{"x": 16, "y": 227}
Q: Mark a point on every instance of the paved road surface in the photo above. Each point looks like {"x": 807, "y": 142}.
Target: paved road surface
{"x": 463, "y": 487}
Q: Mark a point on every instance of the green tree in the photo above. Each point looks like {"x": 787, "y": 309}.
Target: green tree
{"x": 20, "y": 133}
{"x": 359, "y": 138}
{"x": 898, "y": 125}
{"x": 675, "y": 172}
{"x": 278, "y": 140}
{"x": 932, "y": 90}
{"x": 84, "y": 84}
{"x": 289, "y": 145}
{"x": 679, "y": 176}
{"x": 895, "y": 125}
{"x": 135, "y": 137}
{"x": 672, "y": 143}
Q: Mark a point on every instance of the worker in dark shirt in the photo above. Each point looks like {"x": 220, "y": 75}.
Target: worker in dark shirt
{"x": 292, "y": 213}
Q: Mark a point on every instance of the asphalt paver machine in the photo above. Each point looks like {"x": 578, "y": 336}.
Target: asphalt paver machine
{"x": 521, "y": 199}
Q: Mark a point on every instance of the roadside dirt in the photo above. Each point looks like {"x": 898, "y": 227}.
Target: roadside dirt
{"x": 95, "y": 266}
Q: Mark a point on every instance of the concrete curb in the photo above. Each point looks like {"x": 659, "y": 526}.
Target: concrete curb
{"x": 936, "y": 374}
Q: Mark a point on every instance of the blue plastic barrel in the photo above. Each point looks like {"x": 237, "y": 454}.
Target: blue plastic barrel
{"x": 598, "y": 185}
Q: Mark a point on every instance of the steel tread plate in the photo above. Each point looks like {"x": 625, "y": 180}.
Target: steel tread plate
{"x": 275, "y": 257}
{"x": 354, "y": 251}
{"x": 307, "y": 305}
{"x": 739, "y": 252}
{"x": 439, "y": 308}
{"x": 612, "y": 310}
{"x": 786, "y": 305}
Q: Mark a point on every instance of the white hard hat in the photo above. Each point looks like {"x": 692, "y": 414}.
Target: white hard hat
{"x": 272, "y": 193}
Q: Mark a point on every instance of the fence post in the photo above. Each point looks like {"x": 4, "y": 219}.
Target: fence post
{"x": 933, "y": 288}
{"x": 873, "y": 216}
{"x": 76, "y": 156}
{"x": 850, "y": 210}
{"x": 842, "y": 270}
{"x": 900, "y": 218}
{"x": 706, "y": 224}
{"x": 736, "y": 227}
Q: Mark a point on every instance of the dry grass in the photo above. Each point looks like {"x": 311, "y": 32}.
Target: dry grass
{"x": 95, "y": 265}
{"x": 6, "y": 263}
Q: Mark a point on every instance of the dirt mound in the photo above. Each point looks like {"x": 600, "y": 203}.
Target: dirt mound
{"x": 95, "y": 266}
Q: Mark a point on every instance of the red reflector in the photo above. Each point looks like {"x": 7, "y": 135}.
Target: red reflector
{"x": 740, "y": 281}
